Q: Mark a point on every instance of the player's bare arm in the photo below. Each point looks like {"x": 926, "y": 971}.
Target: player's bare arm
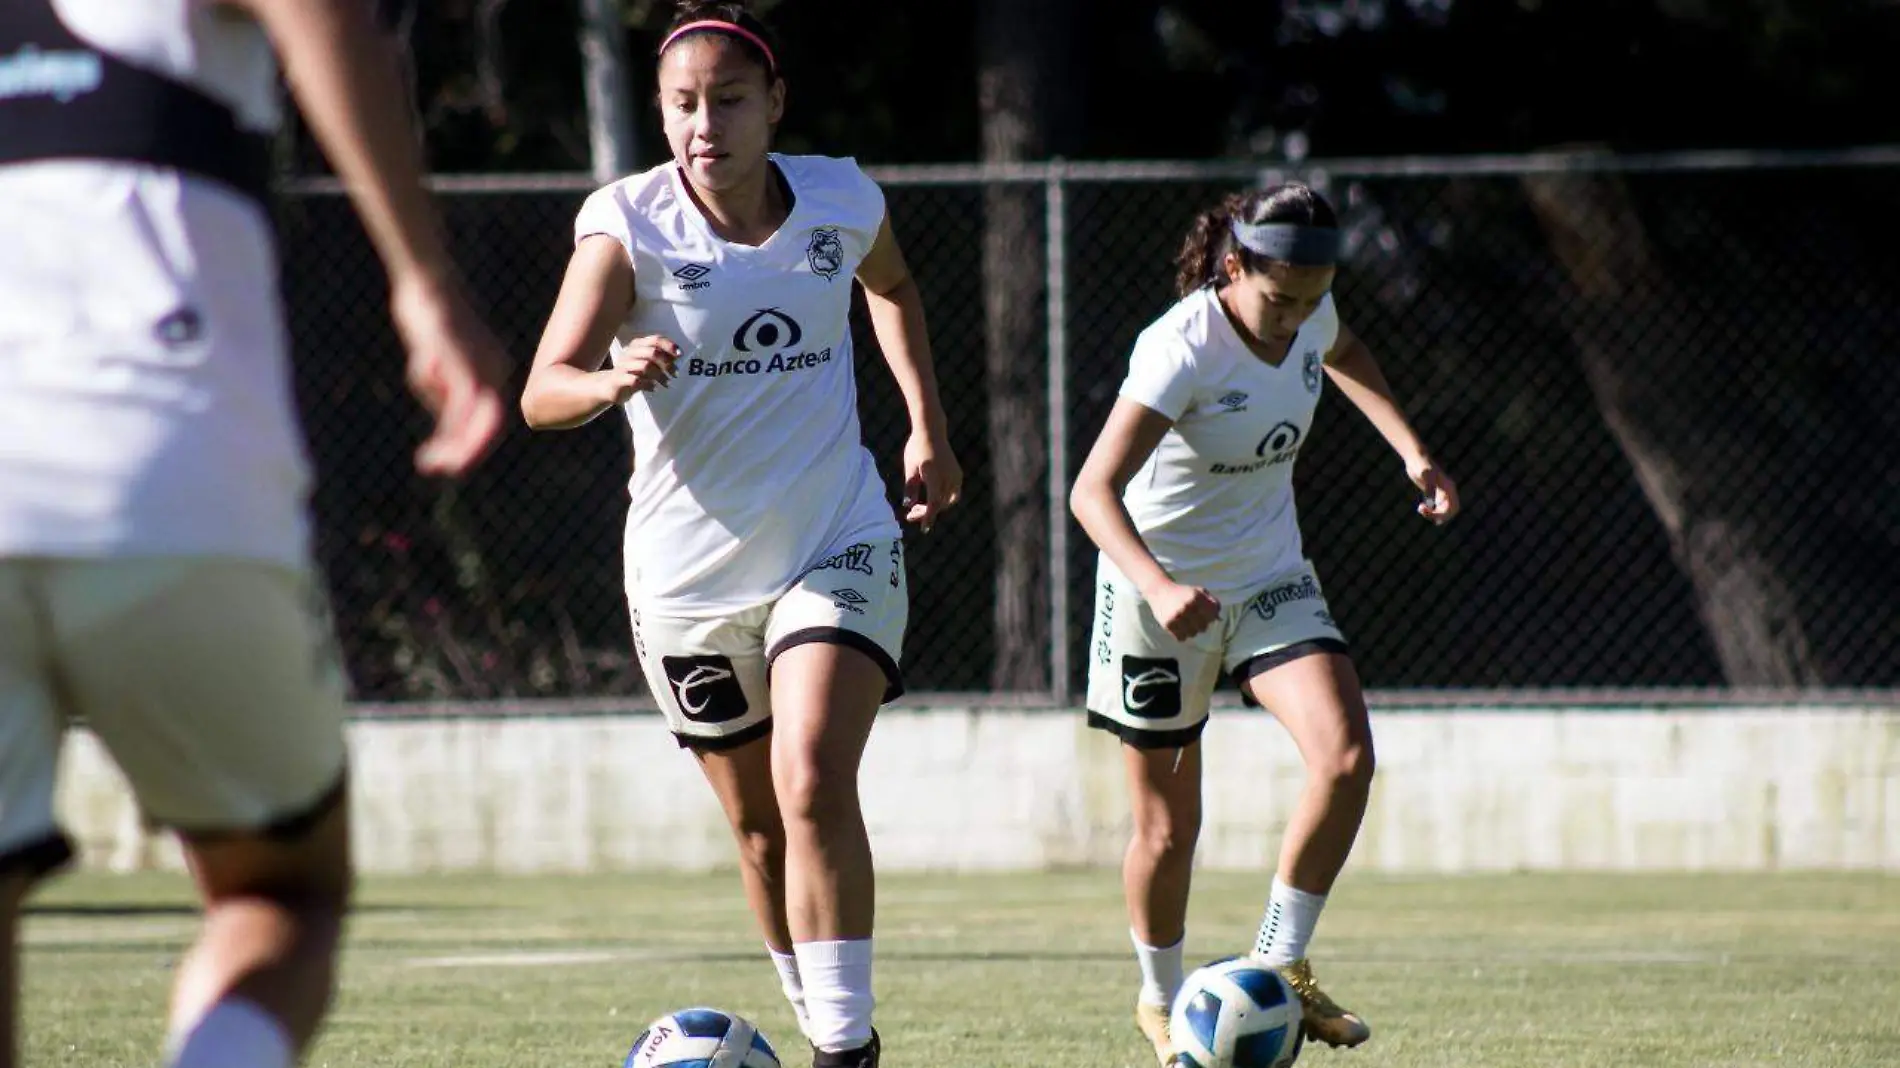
{"x": 1127, "y": 440}
{"x": 933, "y": 480}
{"x": 342, "y": 69}
{"x": 568, "y": 384}
{"x": 1354, "y": 370}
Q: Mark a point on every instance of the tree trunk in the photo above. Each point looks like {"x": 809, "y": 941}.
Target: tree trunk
{"x": 1020, "y": 62}
{"x": 1677, "y": 432}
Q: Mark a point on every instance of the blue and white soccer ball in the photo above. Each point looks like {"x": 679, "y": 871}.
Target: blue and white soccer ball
{"x": 701, "y": 1038}
{"x": 1236, "y": 1013}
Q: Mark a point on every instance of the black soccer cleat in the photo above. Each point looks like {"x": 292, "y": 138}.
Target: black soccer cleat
{"x": 864, "y": 1056}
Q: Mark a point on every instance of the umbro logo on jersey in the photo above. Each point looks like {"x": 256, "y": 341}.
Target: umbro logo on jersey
{"x": 706, "y": 688}
{"x": 693, "y": 275}
{"x": 1151, "y": 687}
{"x": 1233, "y": 402}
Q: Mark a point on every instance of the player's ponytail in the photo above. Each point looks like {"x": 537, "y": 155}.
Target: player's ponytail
{"x": 1211, "y": 239}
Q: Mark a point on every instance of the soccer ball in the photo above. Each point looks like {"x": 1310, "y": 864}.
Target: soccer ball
{"x": 1236, "y": 1013}
{"x": 701, "y": 1038}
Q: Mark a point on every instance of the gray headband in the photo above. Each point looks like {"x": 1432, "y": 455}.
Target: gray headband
{"x": 1301, "y": 246}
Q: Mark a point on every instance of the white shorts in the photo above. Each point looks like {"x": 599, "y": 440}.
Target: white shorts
{"x": 1154, "y": 691}
{"x": 215, "y": 685}
{"x": 711, "y": 676}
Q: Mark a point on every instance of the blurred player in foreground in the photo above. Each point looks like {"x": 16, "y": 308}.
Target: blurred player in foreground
{"x": 155, "y": 572}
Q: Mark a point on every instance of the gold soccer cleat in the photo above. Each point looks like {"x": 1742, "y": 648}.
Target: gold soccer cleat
{"x": 1153, "y": 1021}
{"x": 1325, "y": 1020}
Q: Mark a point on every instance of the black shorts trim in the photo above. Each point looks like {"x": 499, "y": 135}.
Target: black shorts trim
{"x": 719, "y": 743}
{"x": 1286, "y": 654}
{"x": 850, "y": 639}
{"x": 293, "y": 826}
{"x": 38, "y": 859}
{"x": 1140, "y": 738}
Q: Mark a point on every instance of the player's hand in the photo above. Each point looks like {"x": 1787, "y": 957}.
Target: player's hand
{"x": 644, "y": 364}
{"x": 1184, "y": 610}
{"x": 456, "y": 368}
{"x": 1439, "y": 500}
{"x": 933, "y": 480}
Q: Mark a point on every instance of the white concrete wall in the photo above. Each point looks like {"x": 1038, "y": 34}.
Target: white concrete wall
{"x": 1588, "y": 788}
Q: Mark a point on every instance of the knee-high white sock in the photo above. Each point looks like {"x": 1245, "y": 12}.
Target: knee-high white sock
{"x": 838, "y": 1001}
{"x": 1288, "y": 924}
{"x": 235, "y": 1033}
{"x": 793, "y": 985}
{"x": 1160, "y": 970}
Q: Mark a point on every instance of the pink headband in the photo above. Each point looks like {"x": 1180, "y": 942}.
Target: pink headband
{"x": 723, "y": 27}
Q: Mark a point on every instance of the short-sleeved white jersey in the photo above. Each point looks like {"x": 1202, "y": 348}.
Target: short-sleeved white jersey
{"x": 146, "y": 404}
{"x": 1214, "y": 503}
{"x": 750, "y": 464}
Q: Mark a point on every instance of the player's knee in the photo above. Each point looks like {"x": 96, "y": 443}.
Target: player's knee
{"x": 814, "y": 790}
{"x": 1349, "y": 767}
{"x": 1163, "y": 831}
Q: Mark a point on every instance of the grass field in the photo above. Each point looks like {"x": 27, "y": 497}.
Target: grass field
{"x": 1475, "y": 972}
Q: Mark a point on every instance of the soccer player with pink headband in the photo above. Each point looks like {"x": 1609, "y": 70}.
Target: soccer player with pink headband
{"x": 709, "y": 298}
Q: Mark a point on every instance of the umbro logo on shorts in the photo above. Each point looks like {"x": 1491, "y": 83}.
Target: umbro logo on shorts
{"x": 851, "y": 600}
{"x": 706, "y": 688}
{"x": 1151, "y": 688}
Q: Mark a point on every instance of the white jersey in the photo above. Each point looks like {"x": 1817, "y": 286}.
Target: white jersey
{"x": 1214, "y": 503}
{"x": 750, "y": 465}
{"x": 145, "y": 398}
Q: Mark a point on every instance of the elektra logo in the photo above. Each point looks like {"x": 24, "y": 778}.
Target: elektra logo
{"x": 60, "y": 75}
{"x": 767, "y": 330}
{"x": 1151, "y": 687}
{"x": 705, "y": 687}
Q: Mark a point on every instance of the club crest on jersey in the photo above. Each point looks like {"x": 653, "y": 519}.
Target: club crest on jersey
{"x": 825, "y": 252}
{"x": 1310, "y": 370}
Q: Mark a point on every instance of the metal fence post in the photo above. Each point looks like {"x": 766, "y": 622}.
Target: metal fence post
{"x": 1055, "y": 250}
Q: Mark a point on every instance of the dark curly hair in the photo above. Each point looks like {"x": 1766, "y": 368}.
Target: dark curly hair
{"x": 1212, "y": 236}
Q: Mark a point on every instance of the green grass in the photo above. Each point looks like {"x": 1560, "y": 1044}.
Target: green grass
{"x": 1522, "y": 970}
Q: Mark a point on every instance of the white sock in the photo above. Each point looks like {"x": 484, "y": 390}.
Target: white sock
{"x": 1160, "y": 971}
{"x": 837, "y": 977}
{"x": 1288, "y": 925}
{"x": 787, "y": 965}
{"x": 233, "y": 1034}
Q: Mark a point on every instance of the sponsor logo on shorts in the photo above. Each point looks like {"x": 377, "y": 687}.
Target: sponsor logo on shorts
{"x": 1105, "y": 614}
{"x": 1268, "y": 602}
{"x": 897, "y": 563}
{"x": 706, "y": 688}
{"x": 855, "y": 558}
{"x": 850, "y": 600}
{"x": 61, "y": 75}
{"x": 1151, "y": 687}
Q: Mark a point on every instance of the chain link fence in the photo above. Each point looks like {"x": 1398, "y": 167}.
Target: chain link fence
{"x": 1668, "y": 391}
